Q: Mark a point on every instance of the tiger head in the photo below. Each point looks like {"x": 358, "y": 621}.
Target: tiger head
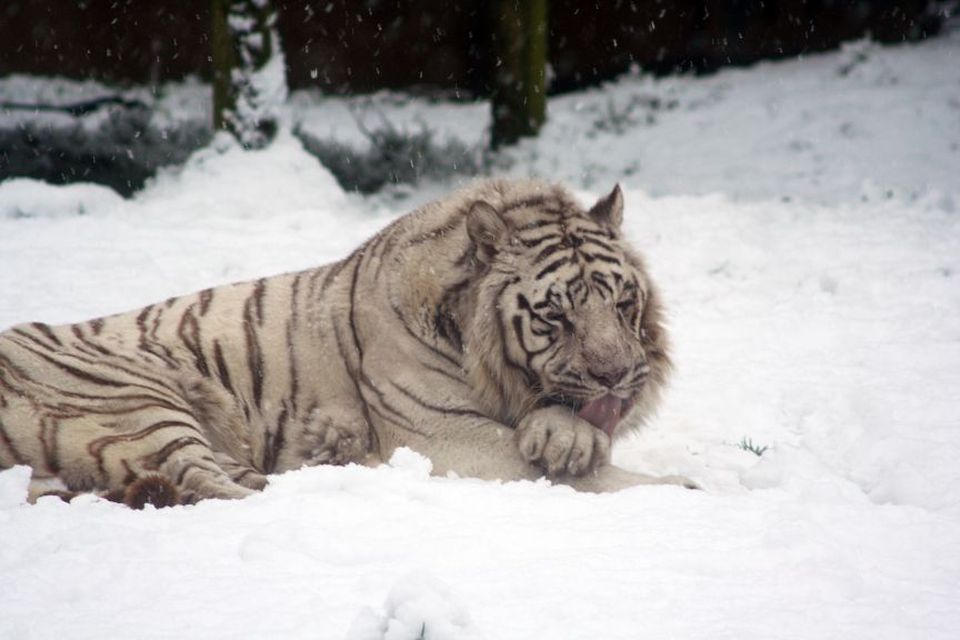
{"x": 565, "y": 313}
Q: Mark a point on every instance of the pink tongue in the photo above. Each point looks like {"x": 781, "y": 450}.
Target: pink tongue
{"x": 603, "y": 413}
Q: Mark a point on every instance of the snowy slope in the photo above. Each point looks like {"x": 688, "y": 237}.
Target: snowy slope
{"x": 813, "y": 295}
{"x": 863, "y": 124}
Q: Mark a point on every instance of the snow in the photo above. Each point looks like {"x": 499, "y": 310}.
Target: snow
{"x": 802, "y": 222}
{"x": 416, "y": 603}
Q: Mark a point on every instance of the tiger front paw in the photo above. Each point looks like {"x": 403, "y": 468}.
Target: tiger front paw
{"x": 561, "y": 442}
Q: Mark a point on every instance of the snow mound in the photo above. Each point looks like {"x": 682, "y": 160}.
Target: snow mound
{"x": 414, "y": 464}
{"x": 418, "y": 607}
{"x": 223, "y": 178}
{"x": 25, "y": 198}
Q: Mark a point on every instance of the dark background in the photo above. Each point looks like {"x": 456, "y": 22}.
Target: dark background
{"x": 350, "y": 46}
{"x": 431, "y": 47}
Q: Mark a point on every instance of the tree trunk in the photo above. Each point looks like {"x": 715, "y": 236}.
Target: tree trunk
{"x": 520, "y": 56}
{"x": 249, "y": 75}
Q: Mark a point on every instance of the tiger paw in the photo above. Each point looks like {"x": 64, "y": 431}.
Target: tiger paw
{"x": 333, "y": 438}
{"x": 561, "y": 442}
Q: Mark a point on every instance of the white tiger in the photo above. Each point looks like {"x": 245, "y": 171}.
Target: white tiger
{"x": 504, "y": 332}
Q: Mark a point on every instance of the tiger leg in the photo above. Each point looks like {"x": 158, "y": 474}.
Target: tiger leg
{"x": 112, "y": 455}
{"x": 104, "y": 426}
{"x": 153, "y": 489}
{"x": 241, "y": 473}
{"x": 181, "y": 454}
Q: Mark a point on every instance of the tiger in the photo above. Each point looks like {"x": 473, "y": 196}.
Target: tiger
{"x": 504, "y": 332}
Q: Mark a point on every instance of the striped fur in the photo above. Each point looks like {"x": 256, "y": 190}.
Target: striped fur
{"x": 471, "y": 330}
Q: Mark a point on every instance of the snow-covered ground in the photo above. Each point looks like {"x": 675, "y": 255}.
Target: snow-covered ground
{"x": 803, "y": 220}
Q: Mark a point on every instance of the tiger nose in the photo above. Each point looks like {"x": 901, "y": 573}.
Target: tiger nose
{"x": 608, "y": 377}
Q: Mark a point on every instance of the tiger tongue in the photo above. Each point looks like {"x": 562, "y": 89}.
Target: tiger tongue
{"x": 603, "y": 413}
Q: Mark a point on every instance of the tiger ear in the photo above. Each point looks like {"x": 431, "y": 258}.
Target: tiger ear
{"x": 486, "y": 229}
{"x": 608, "y": 212}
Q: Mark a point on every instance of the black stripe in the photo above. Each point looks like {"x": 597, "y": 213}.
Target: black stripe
{"x": 189, "y": 333}
{"x": 457, "y": 411}
{"x": 75, "y": 372}
{"x": 9, "y": 366}
{"x": 292, "y": 369}
{"x": 255, "y": 363}
{"x": 78, "y": 334}
{"x": 535, "y": 201}
{"x": 294, "y": 298}
{"x": 445, "y": 318}
{"x": 601, "y": 282}
{"x": 505, "y": 357}
{"x": 193, "y": 465}
{"x": 259, "y": 290}
{"x": 222, "y": 371}
{"x": 531, "y": 243}
{"x": 49, "y": 442}
{"x": 206, "y": 296}
{"x": 550, "y": 250}
{"x": 329, "y": 275}
{"x": 432, "y": 234}
{"x": 358, "y": 375}
{"x": 47, "y": 333}
{"x": 517, "y": 322}
{"x": 344, "y": 353}
{"x": 549, "y": 204}
{"x": 465, "y": 258}
{"x": 105, "y": 405}
{"x": 382, "y": 247}
{"x": 8, "y": 443}
{"x": 639, "y": 374}
{"x": 95, "y": 448}
{"x": 538, "y": 224}
{"x": 351, "y": 316}
{"x": 158, "y": 349}
{"x": 602, "y": 245}
{"x": 275, "y": 442}
{"x": 97, "y": 362}
{"x": 142, "y": 326}
{"x": 553, "y": 266}
{"x": 34, "y": 339}
{"x": 400, "y": 418}
{"x": 413, "y": 334}
{"x": 155, "y": 460}
{"x": 406, "y": 427}
{"x": 592, "y": 257}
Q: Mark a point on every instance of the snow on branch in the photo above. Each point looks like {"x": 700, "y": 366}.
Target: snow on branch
{"x": 249, "y": 70}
